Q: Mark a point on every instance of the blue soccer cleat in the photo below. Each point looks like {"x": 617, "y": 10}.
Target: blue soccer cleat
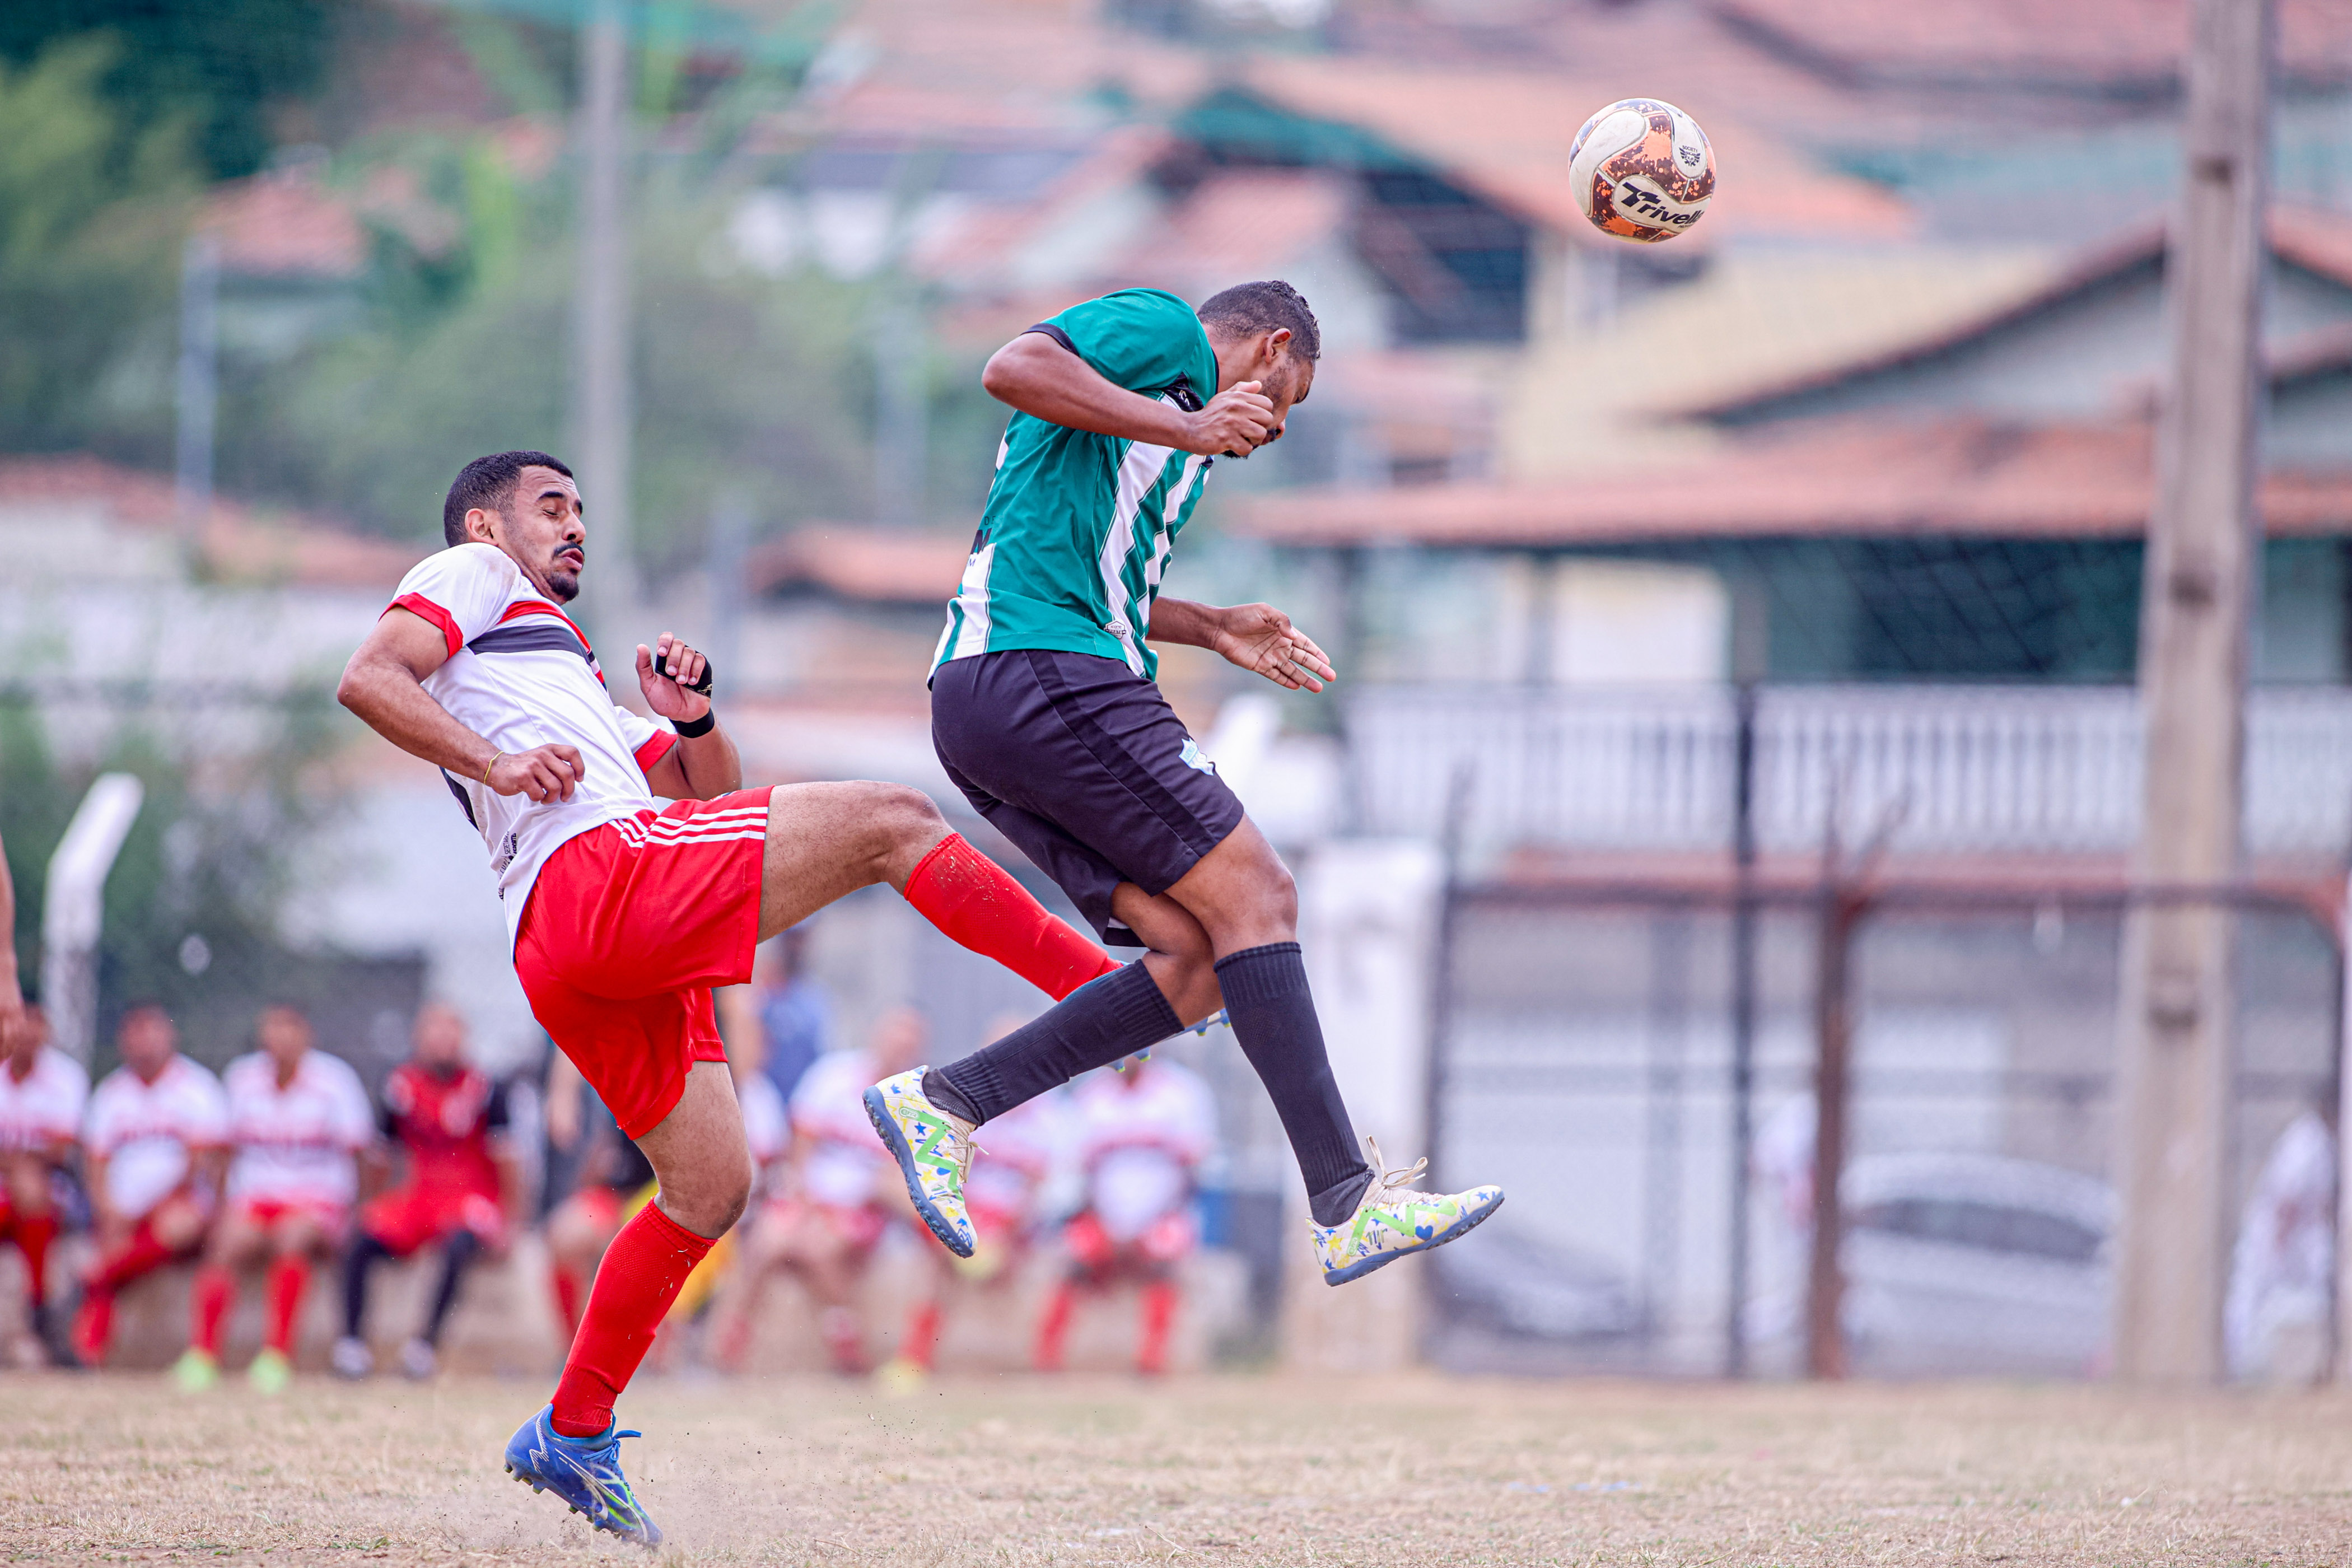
{"x": 584, "y": 1472}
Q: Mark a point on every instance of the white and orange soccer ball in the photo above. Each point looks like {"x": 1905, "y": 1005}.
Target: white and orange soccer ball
{"x": 1643, "y": 170}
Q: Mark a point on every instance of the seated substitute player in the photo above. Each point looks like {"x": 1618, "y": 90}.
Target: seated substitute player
{"x": 835, "y": 1201}
{"x": 153, "y": 1147}
{"x": 298, "y": 1121}
{"x": 623, "y": 915}
{"x": 1045, "y": 714}
{"x": 460, "y": 1189}
{"x": 1141, "y": 1136}
{"x": 43, "y": 1093}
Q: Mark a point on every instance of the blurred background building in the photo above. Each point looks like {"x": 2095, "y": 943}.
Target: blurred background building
{"x": 1852, "y": 480}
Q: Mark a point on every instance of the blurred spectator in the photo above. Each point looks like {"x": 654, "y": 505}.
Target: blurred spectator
{"x": 1141, "y": 1136}
{"x": 795, "y": 1014}
{"x": 615, "y": 1179}
{"x": 461, "y": 1190}
{"x": 298, "y": 1121}
{"x": 12, "y": 1000}
{"x": 1001, "y": 1191}
{"x": 43, "y": 1094}
{"x": 2282, "y": 1275}
{"x": 154, "y": 1145}
{"x": 841, "y": 1193}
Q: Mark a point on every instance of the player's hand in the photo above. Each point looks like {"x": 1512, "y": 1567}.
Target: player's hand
{"x": 1261, "y": 639}
{"x": 665, "y": 673}
{"x": 543, "y": 773}
{"x": 1234, "y": 424}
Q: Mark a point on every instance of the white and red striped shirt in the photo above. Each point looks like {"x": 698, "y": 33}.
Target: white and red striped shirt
{"x": 1141, "y": 1137}
{"x": 520, "y": 675}
{"x": 148, "y": 1132}
{"x": 295, "y": 1143}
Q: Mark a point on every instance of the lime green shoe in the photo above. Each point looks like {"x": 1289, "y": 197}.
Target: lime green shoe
{"x": 196, "y": 1371}
{"x": 933, "y": 1150}
{"x": 270, "y": 1372}
{"x": 1391, "y": 1222}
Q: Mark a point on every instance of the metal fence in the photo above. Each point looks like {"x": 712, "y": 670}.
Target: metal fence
{"x": 1981, "y": 770}
{"x": 1586, "y": 1057}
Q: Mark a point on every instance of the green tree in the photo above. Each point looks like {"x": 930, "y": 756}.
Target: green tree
{"x": 90, "y": 220}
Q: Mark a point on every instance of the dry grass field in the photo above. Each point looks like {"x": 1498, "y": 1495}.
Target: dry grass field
{"x": 1230, "y": 1470}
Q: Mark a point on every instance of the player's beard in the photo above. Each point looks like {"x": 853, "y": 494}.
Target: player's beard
{"x": 562, "y": 583}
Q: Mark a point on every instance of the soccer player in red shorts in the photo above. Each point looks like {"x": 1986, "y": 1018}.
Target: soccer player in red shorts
{"x": 43, "y": 1092}
{"x": 298, "y": 1120}
{"x": 153, "y": 1147}
{"x": 623, "y": 914}
{"x": 460, "y": 1191}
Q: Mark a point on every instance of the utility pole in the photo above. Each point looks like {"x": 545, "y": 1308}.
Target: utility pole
{"x": 600, "y": 409}
{"x": 198, "y": 390}
{"x": 1750, "y": 661}
{"x": 2174, "y": 1012}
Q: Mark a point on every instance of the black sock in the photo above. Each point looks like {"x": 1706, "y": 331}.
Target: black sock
{"x": 1101, "y": 1021}
{"x": 363, "y": 1252}
{"x": 1273, "y": 1014}
{"x": 456, "y": 1252}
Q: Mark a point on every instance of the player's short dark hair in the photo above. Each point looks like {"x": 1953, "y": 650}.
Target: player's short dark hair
{"x": 1250, "y": 307}
{"x": 488, "y": 483}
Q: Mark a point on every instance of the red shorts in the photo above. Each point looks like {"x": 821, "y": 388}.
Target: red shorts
{"x": 629, "y": 928}
{"x": 263, "y": 1214}
{"x": 406, "y": 1218}
{"x": 1164, "y": 1241}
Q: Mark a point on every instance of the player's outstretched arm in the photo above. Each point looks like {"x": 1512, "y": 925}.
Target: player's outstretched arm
{"x": 1258, "y": 637}
{"x": 1046, "y": 381}
{"x": 384, "y": 684}
{"x": 701, "y": 767}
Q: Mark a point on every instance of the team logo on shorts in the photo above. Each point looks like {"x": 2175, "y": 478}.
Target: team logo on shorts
{"x": 1192, "y": 757}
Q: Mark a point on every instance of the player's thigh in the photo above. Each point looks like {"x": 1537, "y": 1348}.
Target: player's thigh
{"x": 236, "y": 1239}
{"x": 1241, "y": 892}
{"x": 827, "y": 840}
{"x": 300, "y": 1233}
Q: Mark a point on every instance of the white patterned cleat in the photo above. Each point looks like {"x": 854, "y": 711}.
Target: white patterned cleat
{"x": 933, "y": 1150}
{"x": 1392, "y": 1221}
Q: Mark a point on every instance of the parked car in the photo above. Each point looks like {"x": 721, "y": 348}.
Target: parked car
{"x": 1962, "y": 1263}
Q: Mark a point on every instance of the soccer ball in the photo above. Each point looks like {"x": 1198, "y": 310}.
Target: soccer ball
{"x": 1643, "y": 170}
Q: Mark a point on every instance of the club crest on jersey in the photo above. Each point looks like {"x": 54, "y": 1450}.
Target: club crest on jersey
{"x": 1192, "y": 757}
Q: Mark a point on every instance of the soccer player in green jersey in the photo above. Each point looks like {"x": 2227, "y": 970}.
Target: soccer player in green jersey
{"x": 1045, "y": 714}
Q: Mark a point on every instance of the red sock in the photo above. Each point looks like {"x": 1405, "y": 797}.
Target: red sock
{"x": 566, "y": 1285}
{"x": 94, "y": 1332}
{"x": 288, "y": 1277}
{"x": 1158, "y": 1314}
{"x": 34, "y": 1233}
{"x": 643, "y": 1271}
{"x": 975, "y": 901}
{"x": 1055, "y": 1326}
{"x": 209, "y": 1300}
{"x": 922, "y": 1344}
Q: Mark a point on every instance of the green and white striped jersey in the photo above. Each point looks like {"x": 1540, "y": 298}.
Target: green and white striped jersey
{"x": 1079, "y": 527}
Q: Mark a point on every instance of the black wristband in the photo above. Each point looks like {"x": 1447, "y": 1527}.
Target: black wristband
{"x": 688, "y": 729}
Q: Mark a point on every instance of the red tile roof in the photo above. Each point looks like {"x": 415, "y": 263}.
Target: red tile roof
{"x": 241, "y": 542}
{"x": 1862, "y": 478}
{"x": 2098, "y": 43}
{"x": 2316, "y": 241}
{"x": 285, "y": 226}
{"x": 853, "y": 562}
{"x": 1506, "y": 134}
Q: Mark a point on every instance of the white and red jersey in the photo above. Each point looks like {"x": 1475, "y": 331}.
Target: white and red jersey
{"x": 520, "y": 675}
{"x": 1140, "y": 1136}
{"x": 844, "y": 1157}
{"x": 296, "y": 1143}
{"x": 148, "y": 1133}
{"x": 767, "y": 1124}
{"x": 45, "y": 1107}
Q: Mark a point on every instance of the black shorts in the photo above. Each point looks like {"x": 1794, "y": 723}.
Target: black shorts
{"x": 1082, "y": 764}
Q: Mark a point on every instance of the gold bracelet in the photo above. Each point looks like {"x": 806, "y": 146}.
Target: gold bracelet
{"x": 489, "y": 765}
